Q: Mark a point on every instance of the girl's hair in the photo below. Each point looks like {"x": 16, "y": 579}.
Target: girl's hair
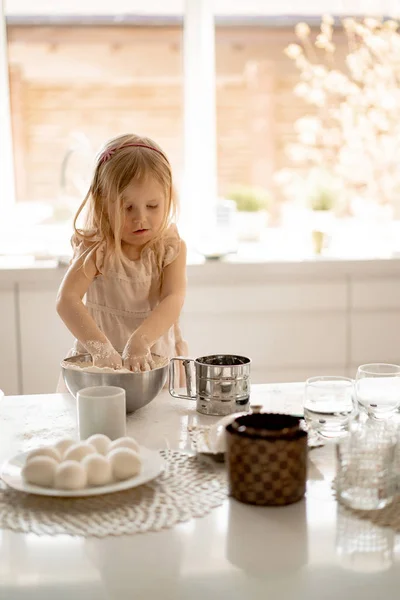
{"x": 123, "y": 159}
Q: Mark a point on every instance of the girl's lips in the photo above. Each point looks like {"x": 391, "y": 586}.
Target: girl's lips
{"x": 140, "y": 231}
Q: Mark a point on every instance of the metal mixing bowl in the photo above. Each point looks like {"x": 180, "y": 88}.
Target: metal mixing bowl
{"x": 140, "y": 388}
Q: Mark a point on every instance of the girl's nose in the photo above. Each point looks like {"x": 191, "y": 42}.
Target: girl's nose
{"x": 138, "y": 214}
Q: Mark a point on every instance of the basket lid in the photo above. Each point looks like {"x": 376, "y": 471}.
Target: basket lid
{"x": 266, "y": 426}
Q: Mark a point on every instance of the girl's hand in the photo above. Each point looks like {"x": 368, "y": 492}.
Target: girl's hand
{"x": 104, "y": 355}
{"x": 136, "y": 355}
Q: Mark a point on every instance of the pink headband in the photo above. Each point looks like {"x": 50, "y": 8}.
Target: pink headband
{"x": 107, "y": 154}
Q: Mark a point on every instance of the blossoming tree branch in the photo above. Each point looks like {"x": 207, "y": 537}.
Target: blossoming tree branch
{"x": 354, "y": 133}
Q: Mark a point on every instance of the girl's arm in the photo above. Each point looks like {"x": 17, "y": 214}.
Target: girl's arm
{"x": 137, "y": 350}
{"x": 76, "y": 316}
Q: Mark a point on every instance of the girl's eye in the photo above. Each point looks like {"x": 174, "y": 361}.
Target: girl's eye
{"x": 152, "y": 206}
{"x": 128, "y": 208}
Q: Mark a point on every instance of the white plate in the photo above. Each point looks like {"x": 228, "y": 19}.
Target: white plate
{"x": 152, "y": 466}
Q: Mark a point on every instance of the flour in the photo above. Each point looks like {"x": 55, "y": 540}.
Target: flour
{"x": 88, "y": 367}
{"x": 100, "y": 349}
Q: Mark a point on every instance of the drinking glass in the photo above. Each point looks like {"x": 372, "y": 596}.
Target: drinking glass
{"x": 365, "y": 475}
{"x": 378, "y": 389}
{"x": 329, "y": 405}
{"x": 101, "y": 409}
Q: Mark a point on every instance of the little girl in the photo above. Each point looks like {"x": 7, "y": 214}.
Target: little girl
{"x": 128, "y": 260}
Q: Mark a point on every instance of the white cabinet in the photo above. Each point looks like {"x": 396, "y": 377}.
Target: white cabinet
{"x": 45, "y": 340}
{"x": 316, "y": 319}
{"x": 375, "y": 337}
{"x": 9, "y": 341}
{"x": 374, "y": 321}
{"x": 290, "y": 331}
{"x": 295, "y": 325}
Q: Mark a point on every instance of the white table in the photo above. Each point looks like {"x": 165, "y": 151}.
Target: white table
{"x": 302, "y": 551}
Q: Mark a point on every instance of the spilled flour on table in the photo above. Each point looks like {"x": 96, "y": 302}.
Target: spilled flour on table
{"x": 59, "y": 424}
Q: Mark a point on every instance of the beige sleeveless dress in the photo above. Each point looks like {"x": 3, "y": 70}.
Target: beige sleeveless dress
{"x": 125, "y": 295}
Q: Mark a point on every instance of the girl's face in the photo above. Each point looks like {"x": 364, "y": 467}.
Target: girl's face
{"x": 144, "y": 207}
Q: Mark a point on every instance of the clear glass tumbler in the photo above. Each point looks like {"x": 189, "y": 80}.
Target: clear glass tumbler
{"x": 365, "y": 475}
{"x": 329, "y": 405}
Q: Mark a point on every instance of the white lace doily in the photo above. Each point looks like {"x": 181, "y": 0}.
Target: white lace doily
{"x": 200, "y": 440}
{"x": 187, "y": 489}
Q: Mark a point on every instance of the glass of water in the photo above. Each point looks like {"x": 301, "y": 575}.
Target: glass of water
{"x": 329, "y": 405}
{"x": 378, "y": 389}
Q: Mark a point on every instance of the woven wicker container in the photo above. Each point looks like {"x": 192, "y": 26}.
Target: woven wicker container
{"x": 267, "y": 459}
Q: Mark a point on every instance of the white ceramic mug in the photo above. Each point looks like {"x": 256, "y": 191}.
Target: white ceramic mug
{"x": 101, "y": 409}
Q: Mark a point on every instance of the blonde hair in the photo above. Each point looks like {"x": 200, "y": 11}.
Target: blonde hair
{"x": 122, "y": 159}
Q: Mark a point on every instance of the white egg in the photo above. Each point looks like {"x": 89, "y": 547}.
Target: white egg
{"x": 40, "y": 470}
{"x": 100, "y": 442}
{"x": 79, "y": 451}
{"x": 70, "y": 475}
{"x": 125, "y": 442}
{"x": 63, "y": 445}
{"x": 98, "y": 469}
{"x": 125, "y": 463}
{"x": 45, "y": 451}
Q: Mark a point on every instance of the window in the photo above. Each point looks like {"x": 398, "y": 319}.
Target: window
{"x": 76, "y": 81}
{"x": 220, "y": 102}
